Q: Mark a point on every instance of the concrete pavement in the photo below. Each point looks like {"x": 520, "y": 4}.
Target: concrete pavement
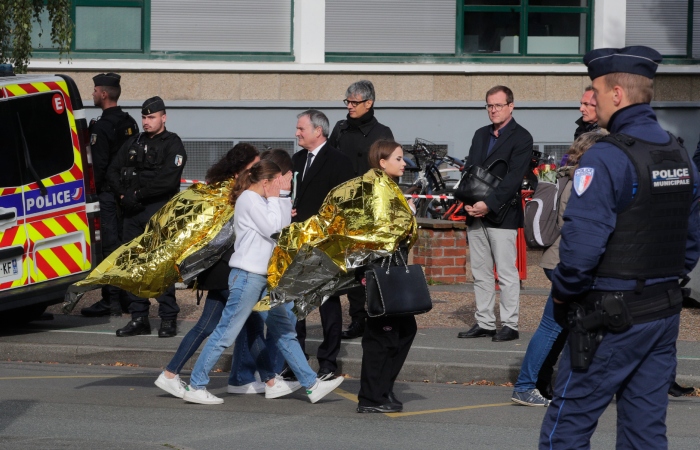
{"x": 437, "y": 355}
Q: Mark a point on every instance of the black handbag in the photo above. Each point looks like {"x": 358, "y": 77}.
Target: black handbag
{"x": 477, "y": 183}
{"x": 396, "y": 290}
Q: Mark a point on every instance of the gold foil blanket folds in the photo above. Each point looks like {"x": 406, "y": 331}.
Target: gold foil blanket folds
{"x": 360, "y": 221}
{"x": 183, "y": 238}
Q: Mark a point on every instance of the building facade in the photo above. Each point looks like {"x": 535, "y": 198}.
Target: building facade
{"x": 241, "y": 70}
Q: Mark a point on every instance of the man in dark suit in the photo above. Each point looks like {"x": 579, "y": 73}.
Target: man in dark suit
{"x": 318, "y": 168}
{"x": 492, "y": 241}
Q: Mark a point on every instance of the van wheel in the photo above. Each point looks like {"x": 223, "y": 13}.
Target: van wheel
{"x": 23, "y": 315}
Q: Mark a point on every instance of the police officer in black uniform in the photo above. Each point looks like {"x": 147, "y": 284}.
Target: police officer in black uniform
{"x": 631, "y": 232}
{"x": 145, "y": 175}
{"x": 107, "y": 134}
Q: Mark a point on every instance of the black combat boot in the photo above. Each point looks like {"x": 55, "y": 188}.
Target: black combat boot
{"x": 98, "y": 309}
{"x": 168, "y": 328}
{"x": 137, "y": 326}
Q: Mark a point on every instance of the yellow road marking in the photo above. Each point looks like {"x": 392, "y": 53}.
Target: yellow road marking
{"x": 353, "y": 398}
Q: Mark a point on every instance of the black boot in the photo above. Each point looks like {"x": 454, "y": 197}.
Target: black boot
{"x": 676, "y": 390}
{"x": 98, "y": 309}
{"x": 355, "y": 330}
{"x": 139, "y": 325}
{"x": 168, "y": 328}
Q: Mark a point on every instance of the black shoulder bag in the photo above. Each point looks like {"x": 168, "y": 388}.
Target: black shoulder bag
{"x": 477, "y": 183}
{"x": 396, "y": 290}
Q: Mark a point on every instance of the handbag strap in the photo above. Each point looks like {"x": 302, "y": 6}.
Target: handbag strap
{"x": 499, "y": 161}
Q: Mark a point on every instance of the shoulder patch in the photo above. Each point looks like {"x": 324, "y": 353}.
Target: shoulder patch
{"x": 583, "y": 177}
{"x": 93, "y": 139}
{"x": 178, "y": 160}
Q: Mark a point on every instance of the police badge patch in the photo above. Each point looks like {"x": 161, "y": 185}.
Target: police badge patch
{"x": 178, "y": 160}
{"x": 582, "y": 179}
{"x": 93, "y": 139}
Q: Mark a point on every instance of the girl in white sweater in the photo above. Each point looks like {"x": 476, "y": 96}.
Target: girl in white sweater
{"x": 260, "y": 212}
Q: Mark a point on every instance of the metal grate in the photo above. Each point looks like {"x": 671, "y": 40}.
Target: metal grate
{"x": 201, "y": 155}
{"x": 555, "y": 150}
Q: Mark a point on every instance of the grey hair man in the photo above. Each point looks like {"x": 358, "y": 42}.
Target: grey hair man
{"x": 589, "y": 118}
{"x": 353, "y": 136}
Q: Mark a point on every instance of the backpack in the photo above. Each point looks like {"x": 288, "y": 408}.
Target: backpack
{"x": 541, "y": 213}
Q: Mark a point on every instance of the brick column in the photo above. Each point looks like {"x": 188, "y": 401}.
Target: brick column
{"x": 442, "y": 250}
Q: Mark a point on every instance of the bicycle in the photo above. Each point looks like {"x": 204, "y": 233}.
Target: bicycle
{"x": 433, "y": 197}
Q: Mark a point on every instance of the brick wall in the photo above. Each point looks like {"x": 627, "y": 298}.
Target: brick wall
{"x": 442, "y": 251}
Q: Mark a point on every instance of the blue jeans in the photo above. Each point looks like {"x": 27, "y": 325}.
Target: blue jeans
{"x": 539, "y": 346}
{"x": 245, "y": 289}
{"x": 252, "y": 349}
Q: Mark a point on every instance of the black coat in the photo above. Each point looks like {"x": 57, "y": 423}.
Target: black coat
{"x": 329, "y": 168}
{"x": 355, "y": 142}
{"x": 107, "y": 134}
{"x": 514, "y": 146}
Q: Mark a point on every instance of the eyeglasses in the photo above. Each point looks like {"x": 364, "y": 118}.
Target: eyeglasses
{"x": 586, "y": 104}
{"x": 496, "y": 106}
{"x": 352, "y": 102}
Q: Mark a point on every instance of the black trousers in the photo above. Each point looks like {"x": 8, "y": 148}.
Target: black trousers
{"x": 385, "y": 346}
{"x": 111, "y": 232}
{"x": 357, "y": 299}
{"x": 138, "y": 306}
{"x": 332, "y": 324}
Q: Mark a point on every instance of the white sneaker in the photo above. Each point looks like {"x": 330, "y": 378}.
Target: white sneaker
{"x": 281, "y": 388}
{"x": 201, "y": 396}
{"x": 173, "y": 386}
{"x": 256, "y": 387}
{"x": 323, "y": 388}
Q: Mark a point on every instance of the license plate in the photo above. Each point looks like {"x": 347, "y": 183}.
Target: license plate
{"x": 10, "y": 269}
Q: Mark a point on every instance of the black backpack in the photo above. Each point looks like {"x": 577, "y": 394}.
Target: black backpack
{"x": 541, "y": 213}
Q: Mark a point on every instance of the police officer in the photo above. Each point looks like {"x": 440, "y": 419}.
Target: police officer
{"x": 631, "y": 231}
{"x": 107, "y": 134}
{"x": 145, "y": 175}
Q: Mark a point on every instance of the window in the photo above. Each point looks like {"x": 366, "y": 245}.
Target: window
{"x": 525, "y": 27}
{"x": 672, "y": 27}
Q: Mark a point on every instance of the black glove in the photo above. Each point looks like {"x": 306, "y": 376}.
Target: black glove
{"x": 561, "y": 314}
{"x": 131, "y": 205}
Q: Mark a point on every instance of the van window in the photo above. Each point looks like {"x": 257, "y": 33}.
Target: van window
{"x": 46, "y": 131}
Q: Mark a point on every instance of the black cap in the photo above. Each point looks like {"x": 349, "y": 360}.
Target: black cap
{"x": 107, "y": 79}
{"x": 638, "y": 60}
{"x": 152, "y": 105}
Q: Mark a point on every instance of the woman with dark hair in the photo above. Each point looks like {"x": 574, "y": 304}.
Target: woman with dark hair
{"x": 260, "y": 213}
{"x": 241, "y": 157}
{"x": 386, "y": 340}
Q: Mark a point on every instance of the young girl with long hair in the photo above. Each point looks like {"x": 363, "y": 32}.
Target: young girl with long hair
{"x": 260, "y": 212}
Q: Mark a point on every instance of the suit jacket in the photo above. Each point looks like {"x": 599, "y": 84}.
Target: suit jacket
{"x": 514, "y": 146}
{"x": 329, "y": 168}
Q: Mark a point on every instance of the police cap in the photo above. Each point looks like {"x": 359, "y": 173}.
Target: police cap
{"x": 107, "y": 79}
{"x": 152, "y": 105}
{"x": 638, "y": 60}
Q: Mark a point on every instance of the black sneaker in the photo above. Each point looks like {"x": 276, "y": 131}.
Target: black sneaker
{"x": 325, "y": 374}
{"x": 385, "y": 408}
{"x": 355, "y": 330}
{"x": 168, "y": 328}
{"x": 135, "y": 327}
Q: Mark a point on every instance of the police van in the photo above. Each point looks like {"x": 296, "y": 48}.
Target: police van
{"x": 49, "y": 212}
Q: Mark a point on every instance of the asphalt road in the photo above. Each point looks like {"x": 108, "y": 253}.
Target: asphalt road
{"x": 57, "y": 406}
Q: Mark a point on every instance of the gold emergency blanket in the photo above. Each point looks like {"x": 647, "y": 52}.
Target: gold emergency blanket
{"x": 185, "y": 236}
{"x": 360, "y": 221}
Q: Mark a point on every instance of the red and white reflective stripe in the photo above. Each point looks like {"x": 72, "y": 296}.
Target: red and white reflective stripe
{"x": 183, "y": 180}
{"x": 441, "y": 197}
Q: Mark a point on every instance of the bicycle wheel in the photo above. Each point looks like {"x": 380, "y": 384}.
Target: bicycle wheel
{"x": 418, "y": 202}
{"x": 437, "y": 208}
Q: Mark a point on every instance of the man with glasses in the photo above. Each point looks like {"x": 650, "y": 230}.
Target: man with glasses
{"x": 490, "y": 240}
{"x": 353, "y": 136}
{"x": 589, "y": 119}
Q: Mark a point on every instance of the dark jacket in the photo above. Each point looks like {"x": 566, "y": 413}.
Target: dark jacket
{"x": 107, "y": 134}
{"x": 330, "y": 168}
{"x": 584, "y": 127}
{"x": 355, "y": 142}
{"x": 159, "y": 176}
{"x": 514, "y": 146}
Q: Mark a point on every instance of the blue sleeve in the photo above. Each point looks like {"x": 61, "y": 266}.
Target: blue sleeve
{"x": 692, "y": 246}
{"x": 696, "y": 156}
{"x": 590, "y": 218}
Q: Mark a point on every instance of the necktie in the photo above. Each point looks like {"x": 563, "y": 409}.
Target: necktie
{"x": 309, "y": 158}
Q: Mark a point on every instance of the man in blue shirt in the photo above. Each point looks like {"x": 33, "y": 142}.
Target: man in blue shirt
{"x": 631, "y": 231}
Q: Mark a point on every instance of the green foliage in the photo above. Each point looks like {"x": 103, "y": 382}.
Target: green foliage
{"x": 16, "y": 29}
